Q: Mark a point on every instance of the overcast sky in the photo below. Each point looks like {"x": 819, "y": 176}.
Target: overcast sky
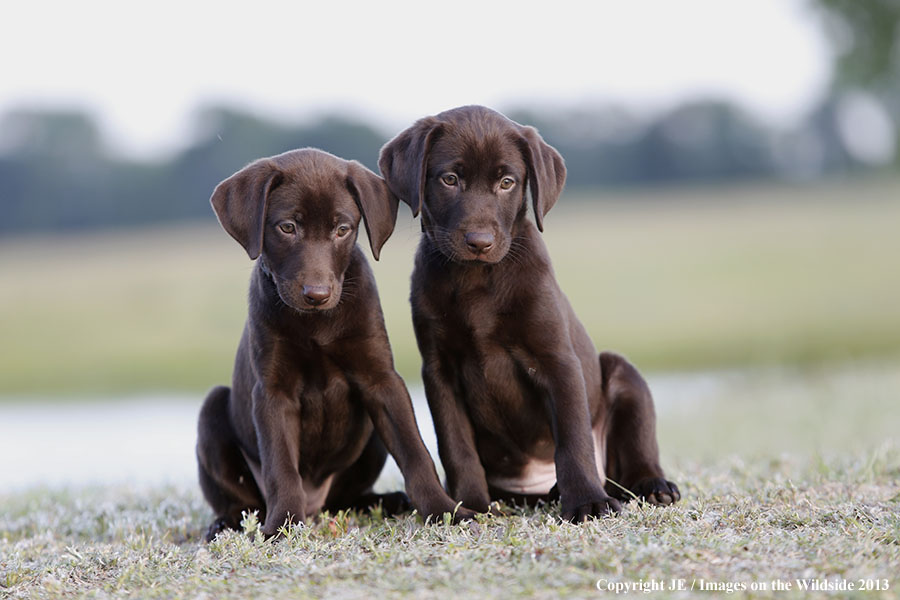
{"x": 141, "y": 67}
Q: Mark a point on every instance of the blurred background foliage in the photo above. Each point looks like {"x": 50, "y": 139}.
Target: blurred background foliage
{"x": 58, "y": 173}
{"x": 866, "y": 43}
{"x": 698, "y": 237}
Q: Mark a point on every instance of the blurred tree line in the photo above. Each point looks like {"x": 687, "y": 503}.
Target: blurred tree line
{"x": 864, "y": 36}
{"x": 57, "y": 172}
{"x": 865, "y": 41}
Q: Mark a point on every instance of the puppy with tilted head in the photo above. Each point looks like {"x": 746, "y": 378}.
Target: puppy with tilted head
{"x": 523, "y": 405}
{"x": 315, "y": 401}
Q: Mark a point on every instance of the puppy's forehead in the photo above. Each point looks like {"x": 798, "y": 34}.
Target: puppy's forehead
{"x": 477, "y": 144}
{"x": 315, "y": 183}
{"x": 312, "y": 169}
{"x": 312, "y": 201}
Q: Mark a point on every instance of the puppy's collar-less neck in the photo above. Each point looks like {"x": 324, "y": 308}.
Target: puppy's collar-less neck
{"x": 267, "y": 280}
{"x": 264, "y": 268}
{"x": 425, "y": 214}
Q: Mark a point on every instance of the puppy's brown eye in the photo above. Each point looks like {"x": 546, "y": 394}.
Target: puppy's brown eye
{"x": 343, "y": 230}
{"x": 287, "y": 227}
{"x": 507, "y": 182}
{"x": 450, "y": 179}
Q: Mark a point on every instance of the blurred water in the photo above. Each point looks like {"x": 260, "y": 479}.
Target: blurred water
{"x": 150, "y": 439}
{"x": 139, "y": 440}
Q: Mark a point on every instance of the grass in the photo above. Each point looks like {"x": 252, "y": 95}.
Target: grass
{"x": 686, "y": 279}
{"x": 740, "y": 524}
{"x": 786, "y": 474}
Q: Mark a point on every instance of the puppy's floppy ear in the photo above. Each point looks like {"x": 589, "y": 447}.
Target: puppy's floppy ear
{"x": 376, "y": 202}
{"x": 546, "y": 172}
{"x": 404, "y": 159}
{"x": 240, "y": 203}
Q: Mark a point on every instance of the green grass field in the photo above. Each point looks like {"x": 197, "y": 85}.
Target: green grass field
{"x": 686, "y": 279}
{"x": 785, "y": 475}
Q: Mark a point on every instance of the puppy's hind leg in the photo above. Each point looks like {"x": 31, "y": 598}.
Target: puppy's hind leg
{"x": 352, "y": 488}
{"x": 225, "y": 477}
{"x": 632, "y": 454}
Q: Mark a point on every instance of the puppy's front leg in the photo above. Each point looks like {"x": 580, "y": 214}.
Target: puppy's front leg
{"x": 390, "y": 408}
{"x": 466, "y": 478}
{"x": 577, "y": 476}
{"x": 276, "y": 418}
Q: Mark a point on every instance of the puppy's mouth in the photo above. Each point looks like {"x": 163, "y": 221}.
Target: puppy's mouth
{"x": 472, "y": 247}
{"x": 482, "y": 257}
{"x": 310, "y": 298}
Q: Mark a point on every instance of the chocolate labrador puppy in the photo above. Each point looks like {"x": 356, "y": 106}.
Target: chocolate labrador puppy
{"x": 523, "y": 405}
{"x": 315, "y": 397}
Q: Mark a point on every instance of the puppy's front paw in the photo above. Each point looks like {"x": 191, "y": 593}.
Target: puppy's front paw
{"x": 273, "y": 526}
{"x": 463, "y": 514}
{"x": 457, "y": 512}
{"x": 657, "y": 491}
{"x": 476, "y": 499}
{"x": 580, "y": 512}
{"x": 477, "y": 504}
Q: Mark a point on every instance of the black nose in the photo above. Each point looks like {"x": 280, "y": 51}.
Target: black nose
{"x": 479, "y": 242}
{"x": 316, "y": 294}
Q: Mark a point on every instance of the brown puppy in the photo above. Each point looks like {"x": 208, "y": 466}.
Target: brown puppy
{"x": 523, "y": 405}
{"x": 314, "y": 370}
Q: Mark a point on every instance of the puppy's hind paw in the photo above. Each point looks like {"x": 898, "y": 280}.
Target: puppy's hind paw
{"x": 657, "y": 491}
{"x": 391, "y": 504}
{"x": 395, "y": 503}
{"x": 218, "y": 526}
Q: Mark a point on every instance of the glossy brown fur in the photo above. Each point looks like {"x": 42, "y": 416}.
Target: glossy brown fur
{"x": 511, "y": 376}
{"x": 315, "y": 398}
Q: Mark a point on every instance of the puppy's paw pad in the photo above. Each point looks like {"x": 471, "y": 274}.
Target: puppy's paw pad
{"x": 657, "y": 491}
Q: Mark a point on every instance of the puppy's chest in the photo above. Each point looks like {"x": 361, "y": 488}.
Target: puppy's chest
{"x": 480, "y": 335}
{"x": 320, "y": 382}
{"x": 476, "y": 313}
{"x": 495, "y": 375}
{"x": 476, "y": 330}
{"x": 332, "y": 414}
{"x": 480, "y": 329}
{"x": 321, "y": 387}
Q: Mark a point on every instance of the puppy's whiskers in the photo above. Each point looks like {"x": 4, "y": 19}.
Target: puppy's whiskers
{"x": 517, "y": 251}
{"x": 349, "y": 289}
{"x": 441, "y": 244}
